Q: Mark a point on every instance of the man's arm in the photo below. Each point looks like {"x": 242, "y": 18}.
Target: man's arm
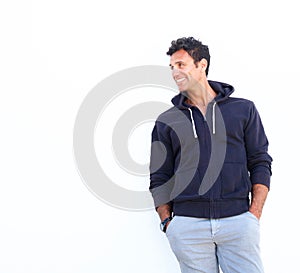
{"x": 259, "y": 196}
{"x": 161, "y": 170}
{"x": 258, "y": 161}
{"x": 164, "y": 211}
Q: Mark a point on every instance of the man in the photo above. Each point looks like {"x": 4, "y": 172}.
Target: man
{"x": 209, "y": 170}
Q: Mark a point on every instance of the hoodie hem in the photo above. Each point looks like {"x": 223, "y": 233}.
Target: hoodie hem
{"x": 212, "y": 209}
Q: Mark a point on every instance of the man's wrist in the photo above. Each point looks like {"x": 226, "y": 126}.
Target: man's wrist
{"x": 255, "y": 211}
{"x": 164, "y": 211}
{"x": 259, "y": 195}
{"x": 164, "y": 223}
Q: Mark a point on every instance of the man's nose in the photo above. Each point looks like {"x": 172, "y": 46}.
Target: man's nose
{"x": 175, "y": 72}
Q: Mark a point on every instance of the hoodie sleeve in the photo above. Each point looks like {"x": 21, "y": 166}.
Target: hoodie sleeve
{"x": 161, "y": 165}
{"x": 258, "y": 159}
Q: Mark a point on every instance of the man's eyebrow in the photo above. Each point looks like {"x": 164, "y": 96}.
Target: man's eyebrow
{"x": 177, "y": 63}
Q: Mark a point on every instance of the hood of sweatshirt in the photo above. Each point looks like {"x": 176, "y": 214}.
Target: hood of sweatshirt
{"x": 223, "y": 91}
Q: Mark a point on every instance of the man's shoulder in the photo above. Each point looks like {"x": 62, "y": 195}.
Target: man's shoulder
{"x": 239, "y": 100}
{"x": 238, "y": 106}
{"x": 169, "y": 113}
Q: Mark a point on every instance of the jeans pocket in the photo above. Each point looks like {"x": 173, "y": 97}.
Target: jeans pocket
{"x": 170, "y": 226}
{"x": 253, "y": 216}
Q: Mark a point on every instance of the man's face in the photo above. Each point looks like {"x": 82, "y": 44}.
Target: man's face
{"x": 184, "y": 71}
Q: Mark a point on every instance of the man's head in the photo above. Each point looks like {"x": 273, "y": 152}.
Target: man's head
{"x": 193, "y": 47}
{"x": 189, "y": 63}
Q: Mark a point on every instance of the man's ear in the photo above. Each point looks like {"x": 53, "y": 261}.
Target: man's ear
{"x": 202, "y": 64}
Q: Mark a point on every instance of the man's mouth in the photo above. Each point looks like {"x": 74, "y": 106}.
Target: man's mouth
{"x": 180, "y": 80}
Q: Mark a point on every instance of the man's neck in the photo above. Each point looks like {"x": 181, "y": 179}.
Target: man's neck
{"x": 201, "y": 95}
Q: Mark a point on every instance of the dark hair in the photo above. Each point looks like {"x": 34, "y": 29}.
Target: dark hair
{"x": 193, "y": 47}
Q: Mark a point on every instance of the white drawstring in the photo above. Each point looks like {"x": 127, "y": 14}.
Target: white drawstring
{"x": 214, "y": 118}
{"x": 193, "y": 123}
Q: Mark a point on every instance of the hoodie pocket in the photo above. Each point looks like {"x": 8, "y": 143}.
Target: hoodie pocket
{"x": 235, "y": 181}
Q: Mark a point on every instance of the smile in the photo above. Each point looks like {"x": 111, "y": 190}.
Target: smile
{"x": 180, "y": 80}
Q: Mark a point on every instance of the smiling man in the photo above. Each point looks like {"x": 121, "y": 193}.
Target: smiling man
{"x": 209, "y": 204}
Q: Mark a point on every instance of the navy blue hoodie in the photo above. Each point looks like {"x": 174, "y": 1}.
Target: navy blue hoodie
{"x": 205, "y": 166}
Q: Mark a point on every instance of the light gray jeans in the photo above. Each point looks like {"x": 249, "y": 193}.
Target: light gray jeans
{"x": 202, "y": 245}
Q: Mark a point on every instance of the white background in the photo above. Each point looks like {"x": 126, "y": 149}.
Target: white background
{"x": 54, "y": 52}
